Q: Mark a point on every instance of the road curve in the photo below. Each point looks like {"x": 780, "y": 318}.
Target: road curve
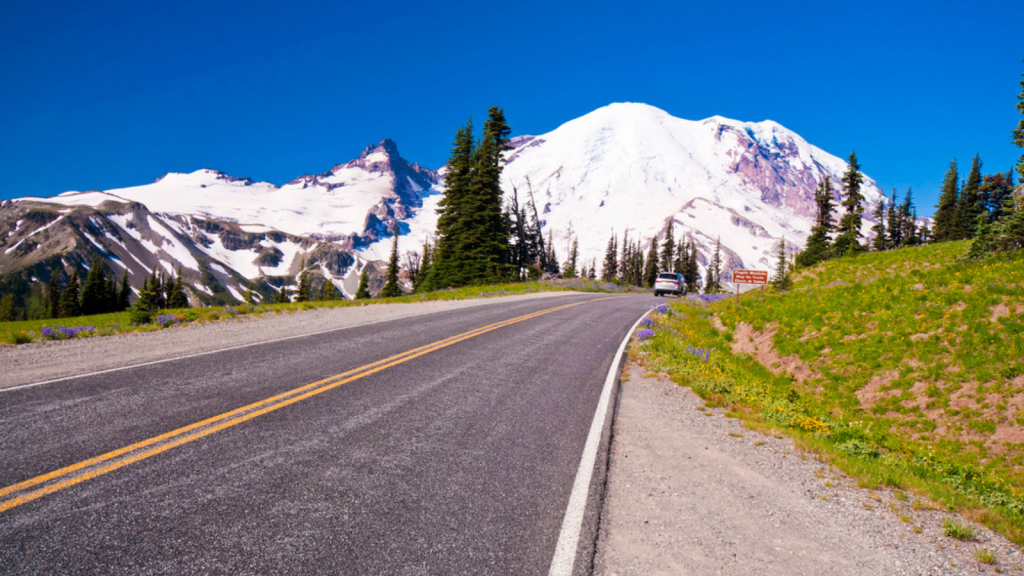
{"x": 456, "y": 459}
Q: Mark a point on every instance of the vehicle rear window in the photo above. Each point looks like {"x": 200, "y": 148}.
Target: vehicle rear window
{"x": 667, "y": 276}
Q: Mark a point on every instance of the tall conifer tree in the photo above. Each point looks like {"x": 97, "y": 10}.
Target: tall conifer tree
{"x": 848, "y": 239}
{"x": 391, "y": 288}
{"x": 817, "y": 248}
{"x": 946, "y": 223}
{"x": 610, "y": 267}
{"x": 668, "y": 249}
{"x": 1018, "y": 133}
{"x": 651, "y": 267}
{"x": 880, "y": 242}
{"x": 971, "y": 203}
{"x": 70, "y": 304}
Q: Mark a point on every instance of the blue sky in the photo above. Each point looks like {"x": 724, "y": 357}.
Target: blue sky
{"x": 98, "y": 95}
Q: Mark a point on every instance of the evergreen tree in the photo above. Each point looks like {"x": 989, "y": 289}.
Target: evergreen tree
{"x": 250, "y": 298}
{"x": 551, "y": 258}
{"x": 679, "y": 264}
{"x": 110, "y": 294}
{"x": 70, "y": 298}
{"x": 177, "y": 298}
{"x": 817, "y": 248}
{"x": 610, "y": 268}
{"x": 145, "y": 305}
{"x": 714, "y": 279}
{"x": 284, "y": 295}
{"x": 446, "y": 269}
{"x": 592, "y": 271}
{"x": 626, "y": 259}
{"x": 94, "y": 288}
{"x": 391, "y": 288}
{"x": 848, "y": 239}
{"x": 363, "y": 292}
{"x": 996, "y": 190}
{"x": 651, "y": 269}
{"x": 425, "y": 264}
{"x": 895, "y": 229}
{"x": 907, "y": 221}
{"x": 881, "y": 240}
{"x": 691, "y": 272}
{"x": 53, "y": 296}
{"x": 571, "y": 261}
{"x": 668, "y": 250}
{"x": 946, "y": 224}
{"x": 124, "y": 295}
{"x": 1018, "y": 133}
{"x": 305, "y": 284}
{"x": 971, "y": 203}
{"x": 781, "y": 280}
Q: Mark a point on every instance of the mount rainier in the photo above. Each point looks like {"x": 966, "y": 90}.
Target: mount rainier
{"x": 624, "y": 167}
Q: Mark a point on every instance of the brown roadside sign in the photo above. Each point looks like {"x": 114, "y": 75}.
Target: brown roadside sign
{"x": 749, "y": 277}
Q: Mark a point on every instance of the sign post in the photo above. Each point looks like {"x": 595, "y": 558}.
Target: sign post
{"x": 749, "y": 277}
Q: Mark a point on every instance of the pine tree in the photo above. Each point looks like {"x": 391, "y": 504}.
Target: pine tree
{"x": 817, "y": 248}
{"x": 425, "y": 264}
{"x": 996, "y": 190}
{"x": 53, "y": 296}
{"x": 592, "y": 271}
{"x": 1018, "y": 133}
{"x": 610, "y": 268}
{"x": 881, "y": 240}
{"x": 571, "y": 261}
{"x": 145, "y": 305}
{"x": 447, "y": 267}
{"x": 668, "y": 250}
{"x": 651, "y": 268}
{"x": 679, "y": 264}
{"x": 363, "y": 292}
{"x": 304, "y": 292}
{"x": 176, "y": 297}
{"x": 907, "y": 220}
{"x": 946, "y": 223}
{"x": 895, "y": 228}
{"x": 110, "y": 294}
{"x": 848, "y": 239}
{"x": 70, "y": 298}
{"x": 691, "y": 272}
{"x": 391, "y": 288}
{"x": 714, "y": 279}
{"x": 94, "y": 287}
{"x": 124, "y": 295}
{"x": 781, "y": 280}
{"x": 971, "y": 203}
{"x": 551, "y": 258}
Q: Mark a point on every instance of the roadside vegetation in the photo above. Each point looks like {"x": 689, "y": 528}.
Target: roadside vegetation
{"x": 25, "y": 331}
{"x": 904, "y": 368}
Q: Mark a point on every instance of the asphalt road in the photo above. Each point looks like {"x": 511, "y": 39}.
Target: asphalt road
{"x": 459, "y": 460}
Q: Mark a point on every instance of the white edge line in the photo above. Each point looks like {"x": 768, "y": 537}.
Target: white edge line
{"x": 569, "y": 536}
{"x": 206, "y": 353}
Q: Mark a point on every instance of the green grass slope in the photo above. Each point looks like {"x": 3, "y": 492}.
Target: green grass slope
{"x": 906, "y": 368}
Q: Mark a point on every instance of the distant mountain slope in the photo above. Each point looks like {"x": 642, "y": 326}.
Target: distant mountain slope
{"x": 227, "y": 234}
{"x": 637, "y": 167}
{"x": 622, "y": 167}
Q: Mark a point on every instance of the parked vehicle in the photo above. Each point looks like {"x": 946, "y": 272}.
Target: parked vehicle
{"x": 669, "y": 283}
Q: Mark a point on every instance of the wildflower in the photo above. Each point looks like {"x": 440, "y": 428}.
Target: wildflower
{"x": 644, "y": 333}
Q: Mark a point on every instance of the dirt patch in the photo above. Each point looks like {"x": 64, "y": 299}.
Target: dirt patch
{"x": 959, "y": 306}
{"x": 998, "y": 311}
{"x": 871, "y": 393}
{"x": 761, "y": 346}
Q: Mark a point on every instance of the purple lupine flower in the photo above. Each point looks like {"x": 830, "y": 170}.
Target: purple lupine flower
{"x": 647, "y": 322}
{"x": 662, "y": 308}
{"x": 644, "y": 333}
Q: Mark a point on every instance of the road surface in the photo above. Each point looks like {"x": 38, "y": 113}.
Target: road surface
{"x": 442, "y": 444}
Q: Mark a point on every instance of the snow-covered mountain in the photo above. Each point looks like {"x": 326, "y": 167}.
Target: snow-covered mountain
{"x": 634, "y": 167}
{"x": 227, "y": 234}
{"x": 624, "y": 167}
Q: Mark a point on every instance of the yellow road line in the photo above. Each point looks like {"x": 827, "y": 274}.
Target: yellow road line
{"x": 227, "y": 419}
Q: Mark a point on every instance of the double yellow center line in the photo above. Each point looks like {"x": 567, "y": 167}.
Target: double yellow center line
{"x": 33, "y": 488}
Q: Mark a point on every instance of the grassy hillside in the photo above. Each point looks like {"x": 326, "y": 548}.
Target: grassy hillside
{"x": 905, "y": 367}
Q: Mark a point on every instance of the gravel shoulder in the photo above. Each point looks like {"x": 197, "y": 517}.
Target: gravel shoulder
{"x": 692, "y": 492}
{"x": 39, "y": 361}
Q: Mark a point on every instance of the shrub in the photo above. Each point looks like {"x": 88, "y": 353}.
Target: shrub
{"x": 958, "y": 530}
